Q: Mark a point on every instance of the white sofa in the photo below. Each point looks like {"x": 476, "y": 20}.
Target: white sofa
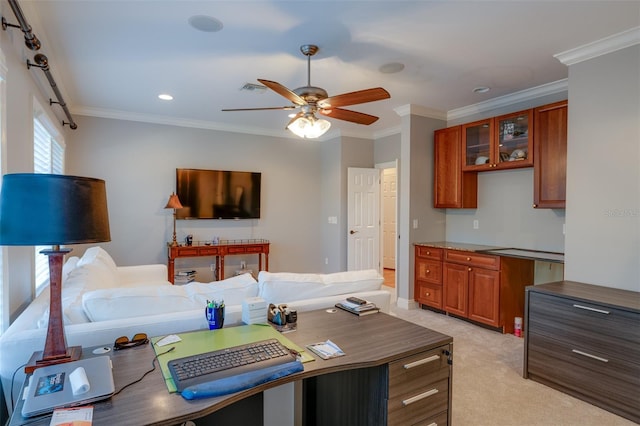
{"x": 102, "y": 302}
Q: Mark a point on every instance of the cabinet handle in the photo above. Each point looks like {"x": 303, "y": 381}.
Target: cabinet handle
{"x": 535, "y": 206}
{"x": 418, "y": 397}
{"x": 427, "y": 294}
{"x": 586, "y": 308}
{"x": 428, "y": 271}
{"x": 469, "y": 269}
{"x": 428, "y": 253}
{"x": 575, "y": 351}
{"x": 468, "y": 259}
{"x": 421, "y": 361}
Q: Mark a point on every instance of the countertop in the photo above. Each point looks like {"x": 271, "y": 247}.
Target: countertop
{"x": 498, "y": 251}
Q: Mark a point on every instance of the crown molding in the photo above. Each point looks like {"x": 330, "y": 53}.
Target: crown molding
{"x": 600, "y": 47}
{"x": 420, "y": 111}
{"x": 512, "y": 98}
{"x": 180, "y": 122}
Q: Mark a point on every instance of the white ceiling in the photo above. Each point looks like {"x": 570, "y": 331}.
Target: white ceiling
{"x": 112, "y": 58}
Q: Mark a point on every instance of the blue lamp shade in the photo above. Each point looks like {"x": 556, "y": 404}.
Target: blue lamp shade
{"x": 45, "y": 209}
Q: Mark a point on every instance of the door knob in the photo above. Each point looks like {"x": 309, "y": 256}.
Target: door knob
{"x": 352, "y": 232}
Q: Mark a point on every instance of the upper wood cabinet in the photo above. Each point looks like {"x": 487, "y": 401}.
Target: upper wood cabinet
{"x": 503, "y": 142}
{"x": 550, "y": 169}
{"x": 453, "y": 188}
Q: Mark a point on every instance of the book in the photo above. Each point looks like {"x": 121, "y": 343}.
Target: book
{"x": 360, "y": 310}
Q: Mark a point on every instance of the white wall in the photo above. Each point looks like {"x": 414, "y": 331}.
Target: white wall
{"x": 138, "y": 162}
{"x": 603, "y": 171}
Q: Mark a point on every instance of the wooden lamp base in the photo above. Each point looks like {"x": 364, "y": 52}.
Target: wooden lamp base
{"x": 37, "y": 360}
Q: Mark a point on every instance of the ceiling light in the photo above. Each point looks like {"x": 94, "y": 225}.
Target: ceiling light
{"x": 309, "y": 127}
{"x": 481, "y": 89}
{"x": 165, "y": 97}
{"x": 391, "y": 68}
{"x": 208, "y": 24}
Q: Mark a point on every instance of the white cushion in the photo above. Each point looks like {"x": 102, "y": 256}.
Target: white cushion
{"x": 98, "y": 261}
{"x": 285, "y": 287}
{"x": 232, "y": 290}
{"x": 69, "y": 266}
{"x": 108, "y": 304}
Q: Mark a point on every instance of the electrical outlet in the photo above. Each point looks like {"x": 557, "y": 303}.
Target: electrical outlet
{"x": 415, "y": 223}
{"x": 243, "y": 264}
{"x": 212, "y": 267}
{"x": 326, "y": 260}
{"x": 476, "y": 224}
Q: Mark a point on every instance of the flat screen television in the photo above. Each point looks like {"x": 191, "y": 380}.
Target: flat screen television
{"x": 218, "y": 194}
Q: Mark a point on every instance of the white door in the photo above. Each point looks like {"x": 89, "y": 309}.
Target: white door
{"x": 389, "y": 185}
{"x": 363, "y": 224}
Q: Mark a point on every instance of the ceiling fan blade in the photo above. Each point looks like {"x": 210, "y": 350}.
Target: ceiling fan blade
{"x": 353, "y": 98}
{"x": 283, "y": 91}
{"x": 348, "y": 115}
{"x": 288, "y": 107}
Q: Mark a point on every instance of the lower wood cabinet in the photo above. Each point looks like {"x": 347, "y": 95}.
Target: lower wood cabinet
{"x": 483, "y": 288}
{"x": 584, "y": 340}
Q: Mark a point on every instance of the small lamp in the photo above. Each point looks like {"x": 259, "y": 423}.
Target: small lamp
{"x": 44, "y": 209}
{"x": 174, "y": 203}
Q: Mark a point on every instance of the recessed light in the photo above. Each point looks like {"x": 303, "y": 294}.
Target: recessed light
{"x": 205, "y": 23}
{"x": 481, "y": 89}
{"x": 391, "y": 68}
{"x": 165, "y": 97}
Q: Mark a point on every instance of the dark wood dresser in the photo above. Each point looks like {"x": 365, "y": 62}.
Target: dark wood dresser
{"x": 584, "y": 340}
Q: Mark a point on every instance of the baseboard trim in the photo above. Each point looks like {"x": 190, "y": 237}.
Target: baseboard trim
{"x": 407, "y": 304}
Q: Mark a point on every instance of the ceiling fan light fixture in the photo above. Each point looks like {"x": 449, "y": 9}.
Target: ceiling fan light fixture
{"x": 309, "y": 127}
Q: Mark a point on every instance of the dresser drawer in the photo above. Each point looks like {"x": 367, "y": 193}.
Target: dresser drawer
{"x": 472, "y": 259}
{"x": 429, "y": 252}
{"x": 429, "y": 270}
{"x": 410, "y": 408}
{"x": 610, "y": 383}
{"x": 610, "y": 331}
{"x": 429, "y": 294}
{"x": 437, "y": 420}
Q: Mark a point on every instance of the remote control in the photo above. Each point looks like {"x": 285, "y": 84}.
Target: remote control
{"x": 356, "y": 300}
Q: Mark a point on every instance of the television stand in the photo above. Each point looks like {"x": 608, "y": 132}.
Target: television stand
{"x": 219, "y": 250}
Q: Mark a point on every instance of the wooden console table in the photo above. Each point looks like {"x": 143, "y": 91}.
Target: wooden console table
{"x": 219, "y": 250}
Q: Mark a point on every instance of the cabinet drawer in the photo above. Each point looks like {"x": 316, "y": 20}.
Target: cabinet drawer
{"x": 613, "y": 385}
{"x": 438, "y": 420}
{"x": 429, "y": 294}
{"x": 429, "y": 270}
{"x": 255, "y": 249}
{"x": 610, "y": 331}
{"x": 429, "y": 252}
{"x": 209, "y": 251}
{"x": 186, "y": 251}
{"x": 426, "y": 402}
{"x": 472, "y": 259}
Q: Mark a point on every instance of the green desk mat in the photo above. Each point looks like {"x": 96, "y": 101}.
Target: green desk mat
{"x": 197, "y": 342}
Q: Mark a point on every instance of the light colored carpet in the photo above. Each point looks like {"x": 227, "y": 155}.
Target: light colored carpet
{"x": 488, "y": 388}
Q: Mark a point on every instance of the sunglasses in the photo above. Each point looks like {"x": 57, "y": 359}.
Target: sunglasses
{"x": 124, "y": 342}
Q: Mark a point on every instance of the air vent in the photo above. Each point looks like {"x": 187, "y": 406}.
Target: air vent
{"x": 250, "y": 87}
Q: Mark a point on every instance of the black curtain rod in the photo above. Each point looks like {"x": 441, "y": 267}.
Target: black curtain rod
{"x": 42, "y": 62}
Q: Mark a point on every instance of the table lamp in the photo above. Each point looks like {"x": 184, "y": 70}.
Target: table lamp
{"x": 174, "y": 203}
{"x": 51, "y": 210}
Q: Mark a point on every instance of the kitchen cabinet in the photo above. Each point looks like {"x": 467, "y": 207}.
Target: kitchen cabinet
{"x": 428, "y": 276}
{"x": 584, "y": 340}
{"x": 485, "y": 289}
{"x": 453, "y": 188}
{"x": 503, "y": 142}
{"x": 550, "y": 159}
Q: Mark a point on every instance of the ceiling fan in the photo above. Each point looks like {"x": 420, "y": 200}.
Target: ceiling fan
{"x": 310, "y": 99}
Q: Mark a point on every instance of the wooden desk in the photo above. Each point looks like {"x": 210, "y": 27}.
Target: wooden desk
{"x": 387, "y": 360}
{"x": 220, "y": 250}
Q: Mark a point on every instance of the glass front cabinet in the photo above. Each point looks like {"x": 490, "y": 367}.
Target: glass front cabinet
{"x": 503, "y": 142}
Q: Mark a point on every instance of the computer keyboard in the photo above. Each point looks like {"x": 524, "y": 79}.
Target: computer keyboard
{"x": 210, "y": 366}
